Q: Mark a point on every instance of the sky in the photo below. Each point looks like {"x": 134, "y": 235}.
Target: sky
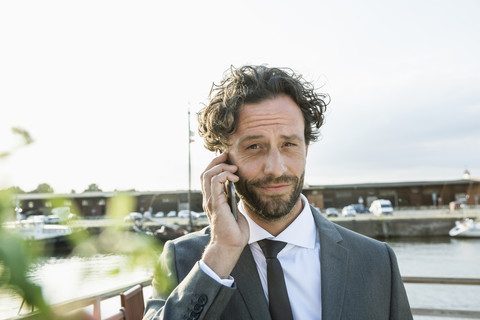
{"x": 104, "y": 87}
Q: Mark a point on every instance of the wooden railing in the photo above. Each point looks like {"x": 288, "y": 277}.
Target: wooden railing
{"x": 450, "y": 313}
{"x": 96, "y": 299}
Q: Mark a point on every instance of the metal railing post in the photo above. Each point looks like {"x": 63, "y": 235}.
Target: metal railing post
{"x": 97, "y": 312}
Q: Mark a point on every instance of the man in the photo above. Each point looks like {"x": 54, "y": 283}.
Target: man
{"x": 262, "y": 121}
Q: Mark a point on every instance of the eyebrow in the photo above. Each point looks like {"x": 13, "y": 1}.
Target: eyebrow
{"x": 292, "y": 137}
{"x": 255, "y": 137}
{"x": 248, "y": 138}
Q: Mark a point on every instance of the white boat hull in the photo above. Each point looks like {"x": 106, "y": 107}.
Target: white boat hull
{"x": 36, "y": 229}
{"x": 466, "y": 229}
{"x": 45, "y": 233}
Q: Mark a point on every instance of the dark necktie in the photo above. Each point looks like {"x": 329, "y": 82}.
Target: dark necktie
{"x": 279, "y": 304}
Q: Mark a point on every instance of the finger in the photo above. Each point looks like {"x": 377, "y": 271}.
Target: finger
{"x": 218, "y": 169}
{"x": 217, "y": 160}
{"x": 214, "y": 168}
{"x": 206, "y": 174}
{"x": 218, "y": 181}
{"x": 216, "y": 200}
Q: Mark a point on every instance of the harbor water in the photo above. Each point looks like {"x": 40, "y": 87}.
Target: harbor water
{"x": 440, "y": 257}
{"x": 67, "y": 277}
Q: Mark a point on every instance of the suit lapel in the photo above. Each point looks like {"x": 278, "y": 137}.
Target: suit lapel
{"x": 249, "y": 286}
{"x": 334, "y": 263}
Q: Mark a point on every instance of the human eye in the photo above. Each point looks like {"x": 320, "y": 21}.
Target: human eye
{"x": 253, "y": 147}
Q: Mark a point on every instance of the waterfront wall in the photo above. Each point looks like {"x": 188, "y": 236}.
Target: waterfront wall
{"x": 423, "y": 223}
{"x": 420, "y": 225}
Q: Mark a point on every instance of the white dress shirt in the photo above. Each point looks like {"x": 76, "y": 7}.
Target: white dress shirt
{"x": 300, "y": 260}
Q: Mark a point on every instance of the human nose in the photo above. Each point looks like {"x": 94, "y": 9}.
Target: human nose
{"x": 274, "y": 163}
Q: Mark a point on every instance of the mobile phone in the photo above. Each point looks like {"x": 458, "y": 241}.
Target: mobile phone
{"x": 231, "y": 195}
{"x": 233, "y": 199}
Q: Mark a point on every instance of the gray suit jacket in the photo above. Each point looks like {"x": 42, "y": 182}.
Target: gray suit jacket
{"x": 360, "y": 281}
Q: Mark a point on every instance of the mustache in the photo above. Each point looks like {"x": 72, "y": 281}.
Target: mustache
{"x": 273, "y": 180}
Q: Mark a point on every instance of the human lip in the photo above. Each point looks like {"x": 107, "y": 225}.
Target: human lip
{"x": 274, "y": 188}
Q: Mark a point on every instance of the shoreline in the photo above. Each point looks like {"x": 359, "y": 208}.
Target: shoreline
{"x": 403, "y": 223}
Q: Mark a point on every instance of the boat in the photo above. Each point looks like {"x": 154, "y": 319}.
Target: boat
{"x": 161, "y": 232}
{"x": 467, "y": 227}
{"x": 35, "y": 228}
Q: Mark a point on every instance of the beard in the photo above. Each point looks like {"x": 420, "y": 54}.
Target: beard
{"x": 269, "y": 207}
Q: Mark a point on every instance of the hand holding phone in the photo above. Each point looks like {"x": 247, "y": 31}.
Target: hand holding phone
{"x": 231, "y": 236}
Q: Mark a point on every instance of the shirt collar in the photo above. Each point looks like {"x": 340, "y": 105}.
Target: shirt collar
{"x": 301, "y": 232}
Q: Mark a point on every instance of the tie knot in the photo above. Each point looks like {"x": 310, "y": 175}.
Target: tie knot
{"x": 271, "y": 248}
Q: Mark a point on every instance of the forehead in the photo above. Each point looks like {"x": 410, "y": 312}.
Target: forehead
{"x": 280, "y": 114}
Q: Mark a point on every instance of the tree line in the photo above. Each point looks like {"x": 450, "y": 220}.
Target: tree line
{"x": 46, "y": 188}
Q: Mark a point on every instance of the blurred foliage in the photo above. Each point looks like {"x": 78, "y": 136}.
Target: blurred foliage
{"x": 43, "y": 188}
{"x": 15, "y": 190}
{"x": 114, "y": 238}
{"x": 24, "y": 139}
{"x": 17, "y": 256}
{"x": 93, "y": 187}
{"x": 27, "y": 139}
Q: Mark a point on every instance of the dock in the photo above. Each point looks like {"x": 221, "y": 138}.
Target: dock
{"x": 408, "y": 224}
{"x": 415, "y": 223}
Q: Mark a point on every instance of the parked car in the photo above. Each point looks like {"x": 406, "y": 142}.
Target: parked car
{"x": 159, "y": 214}
{"x": 172, "y": 213}
{"x": 199, "y": 215}
{"x": 186, "y": 214}
{"x": 360, "y": 208}
{"x": 381, "y": 206}
{"x": 195, "y": 215}
{"x": 331, "y": 212}
{"x": 349, "y": 211}
{"x": 133, "y": 216}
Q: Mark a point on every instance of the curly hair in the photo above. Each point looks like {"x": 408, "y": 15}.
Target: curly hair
{"x": 254, "y": 84}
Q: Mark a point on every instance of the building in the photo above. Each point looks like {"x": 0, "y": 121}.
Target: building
{"x": 401, "y": 194}
{"x": 416, "y": 194}
{"x": 96, "y": 204}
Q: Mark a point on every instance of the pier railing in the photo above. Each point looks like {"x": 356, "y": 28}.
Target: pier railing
{"x": 95, "y": 300}
{"x": 448, "y": 313}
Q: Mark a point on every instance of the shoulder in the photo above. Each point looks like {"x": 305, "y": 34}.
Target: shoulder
{"x": 356, "y": 243}
{"x": 370, "y": 258}
{"x": 189, "y": 243}
{"x": 185, "y": 251}
{"x": 355, "y": 240}
{"x": 367, "y": 251}
{"x": 192, "y": 239}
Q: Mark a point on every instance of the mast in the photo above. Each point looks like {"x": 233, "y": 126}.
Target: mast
{"x": 189, "y": 173}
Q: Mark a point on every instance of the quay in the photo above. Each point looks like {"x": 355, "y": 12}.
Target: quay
{"x": 408, "y": 224}
{"x": 415, "y": 223}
